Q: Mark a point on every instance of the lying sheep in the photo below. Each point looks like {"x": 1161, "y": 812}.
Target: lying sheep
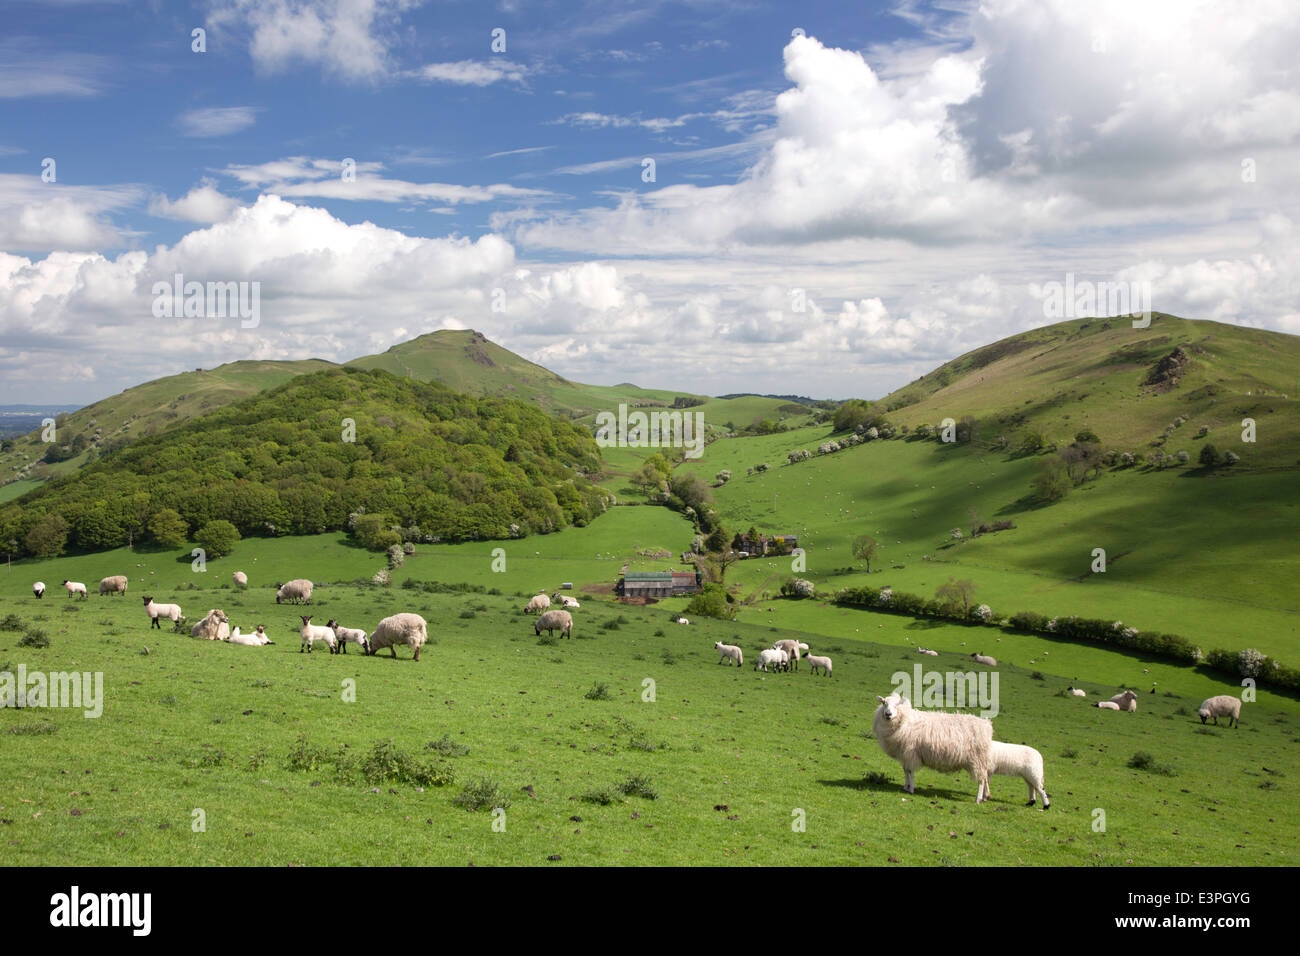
{"x": 1018, "y": 760}
{"x": 75, "y": 587}
{"x": 409, "y": 629}
{"x": 682, "y": 620}
{"x": 729, "y": 652}
{"x": 115, "y": 584}
{"x": 1127, "y": 701}
{"x": 564, "y": 600}
{"x": 772, "y": 657}
{"x": 311, "y": 633}
{"x": 39, "y": 589}
{"x": 170, "y": 611}
{"x": 538, "y": 602}
{"x": 241, "y": 579}
{"x": 1224, "y": 705}
{"x": 297, "y": 591}
{"x": 792, "y": 650}
{"x": 561, "y": 621}
{"x": 210, "y": 626}
{"x": 823, "y": 662}
{"x": 256, "y": 639}
{"x": 1077, "y": 692}
{"x": 940, "y": 741}
{"x": 1107, "y": 705}
{"x": 349, "y": 635}
{"x": 984, "y": 659}
{"x": 927, "y": 651}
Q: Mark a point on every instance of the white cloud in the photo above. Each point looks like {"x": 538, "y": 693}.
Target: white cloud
{"x": 27, "y": 71}
{"x": 473, "y": 72}
{"x": 204, "y": 203}
{"x": 216, "y": 120}
{"x": 36, "y": 215}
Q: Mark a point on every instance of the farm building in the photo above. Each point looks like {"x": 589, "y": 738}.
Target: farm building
{"x": 657, "y": 584}
{"x": 765, "y": 544}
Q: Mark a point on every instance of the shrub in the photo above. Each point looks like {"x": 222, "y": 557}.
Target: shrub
{"x": 711, "y": 601}
{"x": 447, "y": 747}
{"x": 217, "y": 538}
{"x": 1144, "y": 761}
{"x": 599, "y": 691}
{"x": 11, "y": 622}
{"x": 600, "y": 797}
{"x": 483, "y": 793}
{"x": 34, "y": 638}
{"x": 386, "y": 762}
{"x": 797, "y": 588}
{"x": 638, "y": 786}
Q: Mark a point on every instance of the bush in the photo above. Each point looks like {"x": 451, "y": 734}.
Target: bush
{"x": 599, "y": 691}
{"x": 482, "y": 794}
{"x": 797, "y": 588}
{"x": 34, "y": 638}
{"x": 217, "y": 538}
{"x": 447, "y": 747}
{"x": 711, "y": 601}
{"x": 638, "y": 786}
{"x": 1144, "y": 761}
{"x": 388, "y": 763}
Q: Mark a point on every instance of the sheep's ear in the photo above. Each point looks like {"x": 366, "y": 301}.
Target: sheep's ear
{"x": 879, "y": 698}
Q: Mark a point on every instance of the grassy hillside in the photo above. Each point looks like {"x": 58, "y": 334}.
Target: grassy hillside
{"x": 1096, "y": 374}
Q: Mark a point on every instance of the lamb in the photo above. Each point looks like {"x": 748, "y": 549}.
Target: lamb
{"x": 38, "y": 589}
{"x": 940, "y": 741}
{"x": 1225, "y": 705}
{"x": 561, "y": 621}
{"x": 210, "y": 626}
{"x": 75, "y": 587}
{"x": 1076, "y": 692}
{"x": 170, "y": 611}
{"x": 256, "y": 639}
{"x": 311, "y": 633}
{"x": 564, "y": 600}
{"x": 792, "y": 649}
{"x": 408, "y": 629}
{"x": 241, "y": 579}
{"x": 116, "y": 584}
{"x": 1107, "y": 705}
{"x": 1018, "y": 760}
{"x": 682, "y": 620}
{"x": 297, "y": 590}
{"x": 772, "y": 656}
{"x": 729, "y": 652}
{"x": 539, "y": 602}
{"x": 823, "y": 662}
{"x": 984, "y": 659}
{"x": 349, "y": 635}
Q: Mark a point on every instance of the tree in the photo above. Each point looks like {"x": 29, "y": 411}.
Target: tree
{"x": 718, "y": 539}
{"x": 711, "y": 601}
{"x": 865, "y": 549}
{"x": 1053, "y": 480}
{"x": 1087, "y": 435}
{"x": 47, "y": 536}
{"x": 1031, "y": 443}
{"x": 955, "y": 592}
{"x": 967, "y": 429}
{"x": 217, "y": 538}
{"x": 850, "y": 416}
{"x": 168, "y": 528}
{"x": 1209, "y": 456}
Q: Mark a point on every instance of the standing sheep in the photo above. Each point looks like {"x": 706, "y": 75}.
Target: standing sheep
{"x": 347, "y": 635}
{"x": 241, "y": 579}
{"x": 823, "y": 662}
{"x": 409, "y": 629}
{"x": 298, "y": 590}
{"x": 116, "y": 584}
{"x": 39, "y": 589}
{"x": 1018, "y": 760}
{"x": 311, "y": 633}
{"x": 940, "y": 741}
{"x": 561, "y": 621}
{"x": 74, "y": 587}
{"x": 1225, "y": 705}
{"x": 792, "y": 650}
{"x": 772, "y": 657}
{"x": 729, "y": 652}
{"x": 539, "y": 602}
{"x": 170, "y": 611}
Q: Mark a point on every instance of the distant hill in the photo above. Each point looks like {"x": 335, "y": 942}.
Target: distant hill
{"x": 18, "y": 420}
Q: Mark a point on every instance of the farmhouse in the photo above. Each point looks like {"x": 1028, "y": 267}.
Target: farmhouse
{"x": 762, "y": 544}
{"x": 657, "y": 584}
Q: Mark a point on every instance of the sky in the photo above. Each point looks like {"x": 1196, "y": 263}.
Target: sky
{"x": 827, "y": 199}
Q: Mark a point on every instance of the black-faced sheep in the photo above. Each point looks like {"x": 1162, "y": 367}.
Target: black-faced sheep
{"x": 349, "y": 635}
{"x": 729, "y": 652}
{"x": 74, "y": 588}
{"x": 311, "y": 633}
{"x": 170, "y": 611}
{"x": 39, "y": 589}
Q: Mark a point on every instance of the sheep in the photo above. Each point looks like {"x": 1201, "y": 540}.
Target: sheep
{"x": 170, "y": 611}
{"x": 940, "y": 741}
{"x": 1018, "y": 760}
{"x": 409, "y": 629}
{"x": 311, "y": 633}
{"x": 1225, "y": 705}
{"x": 241, "y": 579}
{"x": 299, "y": 590}
{"x": 539, "y": 602}
{"x": 984, "y": 659}
{"x": 1127, "y": 701}
{"x": 823, "y": 662}
{"x": 74, "y": 587}
{"x": 561, "y": 621}
{"x": 772, "y": 656}
{"x": 39, "y": 589}
{"x": 927, "y": 651}
{"x": 729, "y": 652}
{"x": 349, "y": 635}
{"x": 256, "y": 639}
{"x": 210, "y": 626}
{"x": 116, "y": 584}
{"x": 792, "y": 649}
{"x": 682, "y": 620}
{"x": 1107, "y": 705}
{"x": 1076, "y": 692}
{"x": 564, "y": 600}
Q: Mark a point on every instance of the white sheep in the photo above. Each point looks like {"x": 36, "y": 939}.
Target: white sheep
{"x": 349, "y": 635}
{"x": 682, "y": 620}
{"x": 74, "y": 587}
{"x": 39, "y": 589}
{"x": 409, "y": 629}
{"x": 791, "y": 649}
{"x": 1018, "y": 760}
{"x": 297, "y": 590}
{"x": 561, "y": 621}
{"x": 729, "y": 652}
{"x": 1076, "y": 692}
{"x": 210, "y": 626}
{"x": 1127, "y": 701}
{"x": 564, "y": 600}
{"x": 311, "y": 633}
{"x": 927, "y": 651}
{"x": 538, "y": 602}
{"x": 823, "y": 662}
{"x": 985, "y": 659}
{"x": 241, "y": 579}
{"x": 256, "y": 639}
{"x": 940, "y": 741}
{"x": 1224, "y": 705}
{"x": 1107, "y": 705}
{"x": 170, "y": 611}
{"x": 115, "y": 584}
{"x": 772, "y": 657}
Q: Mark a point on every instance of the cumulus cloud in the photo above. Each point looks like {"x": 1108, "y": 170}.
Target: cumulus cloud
{"x": 36, "y": 215}
{"x": 204, "y": 203}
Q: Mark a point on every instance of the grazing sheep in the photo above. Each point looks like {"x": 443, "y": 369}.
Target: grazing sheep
{"x": 409, "y": 629}
{"x": 1077, "y": 692}
{"x": 1225, "y": 705}
{"x": 1018, "y": 760}
{"x": 241, "y": 579}
{"x": 1127, "y": 701}
{"x": 170, "y": 611}
{"x": 539, "y": 602}
{"x": 792, "y": 649}
{"x": 772, "y": 657}
{"x": 823, "y": 662}
{"x": 298, "y": 590}
{"x": 39, "y": 589}
{"x": 210, "y": 626}
{"x": 940, "y": 741}
{"x": 729, "y": 652}
{"x": 561, "y": 621}
{"x": 115, "y": 584}
{"x": 349, "y": 635}
{"x": 311, "y": 633}
{"x": 984, "y": 659}
{"x": 75, "y": 587}
{"x": 1107, "y": 705}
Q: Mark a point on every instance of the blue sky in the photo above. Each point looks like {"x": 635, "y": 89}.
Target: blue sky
{"x": 832, "y": 214}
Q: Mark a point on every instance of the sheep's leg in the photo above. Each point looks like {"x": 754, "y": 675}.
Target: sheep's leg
{"x": 393, "y": 648}
{"x": 417, "y": 653}
{"x": 909, "y": 781}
